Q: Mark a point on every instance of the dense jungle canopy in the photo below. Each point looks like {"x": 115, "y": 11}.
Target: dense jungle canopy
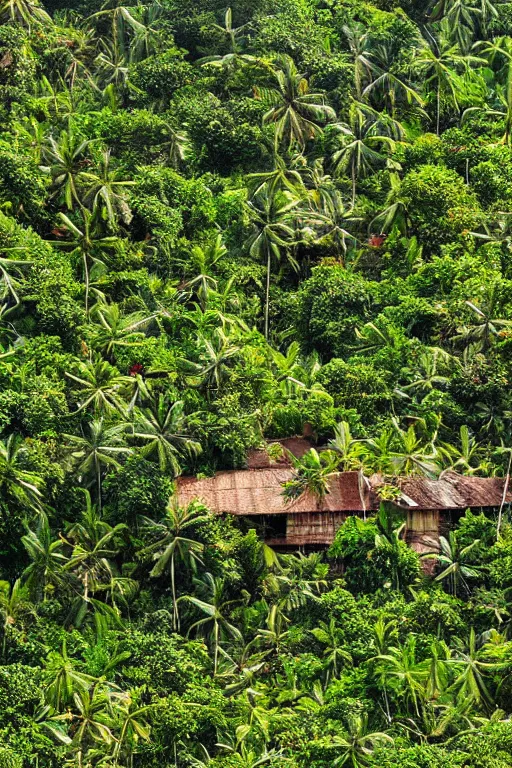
{"x": 221, "y": 226}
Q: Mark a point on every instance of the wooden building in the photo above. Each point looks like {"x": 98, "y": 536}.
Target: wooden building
{"x": 256, "y": 493}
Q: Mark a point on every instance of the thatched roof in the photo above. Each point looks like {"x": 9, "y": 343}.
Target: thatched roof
{"x": 259, "y": 492}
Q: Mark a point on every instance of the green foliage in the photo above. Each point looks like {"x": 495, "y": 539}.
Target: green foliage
{"x": 220, "y": 226}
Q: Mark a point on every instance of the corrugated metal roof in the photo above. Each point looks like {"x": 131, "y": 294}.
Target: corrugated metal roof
{"x": 259, "y": 492}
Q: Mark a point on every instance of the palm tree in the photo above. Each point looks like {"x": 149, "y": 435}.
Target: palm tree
{"x": 336, "y": 657}
{"x": 464, "y": 17}
{"x": 174, "y": 545}
{"x": 470, "y": 684}
{"x": 215, "y": 607}
{"x": 271, "y": 213}
{"x": 92, "y": 721}
{"x": 46, "y": 568}
{"x": 487, "y": 326}
{"x": 362, "y": 140}
{"x": 87, "y": 244}
{"x": 330, "y": 215}
{"x": 62, "y": 679}
{"x": 466, "y": 457}
{"x": 311, "y": 475}
{"x": 98, "y": 450}
{"x": 296, "y": 113}
{"x": 395, "y": 212}
{"x": 133, "y": 728}
{"x": 18, "y": 484}
{"x": 67, "y": 161}
{"x": 11, "y": 272}
{"x": 14, "y": 605}
{"x": 428, "y": 371}
{"x": 503, "y": 92}
{"x": 105, "y": 191}
{"x": 350, "y": 451}
{"x": 94, "y": 544}
{"x": 285, "y": 175}
{"x": 388, "y": 540}
{"x": 412, "y": 455}
{"x": 400, "y": 667}
{"x": 359, "y": 43}
{"x": 203, "y": 260}
{"x": 388, "y": 87}
{"x": 101, "y": 387}
{"x": 115, "y": 330}
{"x": 216, "y": 355}
{"x": 25, "y": 12}
{"x": 356, "y": 746}
{"x": 161, "y": 428}
{"x": 233, "y": 35}
{"x": 439, "y": 66}
{"x": 454, "y": 561}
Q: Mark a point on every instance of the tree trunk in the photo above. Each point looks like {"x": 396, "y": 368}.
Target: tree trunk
{"x": 438, "y": 123}
{"x": 267, "y": 293}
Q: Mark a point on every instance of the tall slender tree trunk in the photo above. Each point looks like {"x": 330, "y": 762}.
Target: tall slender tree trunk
{"x": 267, "y": 292}
{"x": 438, "y": 122}
{"x": 503, "y": 498}
{"x": 353, "y": 184}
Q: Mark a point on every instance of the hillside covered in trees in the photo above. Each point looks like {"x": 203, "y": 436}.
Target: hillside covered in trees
{"x": 221, "y": 226}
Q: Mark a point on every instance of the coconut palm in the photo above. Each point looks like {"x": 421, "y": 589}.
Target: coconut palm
{"x": 363, "y": 141}
{"x": 360, "y": 45}
{"x": 115, "y": 331}
{"x": 133, "y": 728}
{"x": 356, "y": 746}
{"x": 487, "y": 326}
{"x": 233, "y": 36}
{"x": 11, "y": 275}
{"x": 216, "y": 624}
{"x": 272, "y": 214}
{"x": 411, "y": 455}
{"x": 387, "y": 88}
{"x": 47, "y": 559}
{"x": 25, "y": 12}
{"x": 466, "y": 457}
{"x": 296, "y": 113}
{"x": 17, "y": 484}
{"x": 503, "y": 89}
{"x": 203, "y": 260}
{"x": 100, "y": 387}
{"x": 403, "y": 673}
{"x": 176, "y": 544}
{"x": 88, "y": 244}
{"x": 105, "y": 191}
{"x": 456, "y": 565}
{"x": 311, "y": 475}
{"x": 216, "y": 355}
{"x": 161, "y": 428}
{"x": 472, "y": 666}
{"x": 336, "y": 657}
{"x": 98, "y": 449}
{"x": 14, "y": 606}
{"x": 432, "y": 368}
{"x": 440, "y": 65}
{"x": 66, "y": 163}
{"x": 61, "y": 679}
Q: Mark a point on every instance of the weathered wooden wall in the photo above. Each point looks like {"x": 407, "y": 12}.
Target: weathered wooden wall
{"x": 313, "y": 528}
{"x": 422, "y": 534}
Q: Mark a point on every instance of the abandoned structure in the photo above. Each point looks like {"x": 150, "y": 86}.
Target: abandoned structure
{"x": 256, "y": 494}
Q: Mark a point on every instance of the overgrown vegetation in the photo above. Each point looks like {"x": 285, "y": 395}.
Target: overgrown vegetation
{"x": 223, "y": 225}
